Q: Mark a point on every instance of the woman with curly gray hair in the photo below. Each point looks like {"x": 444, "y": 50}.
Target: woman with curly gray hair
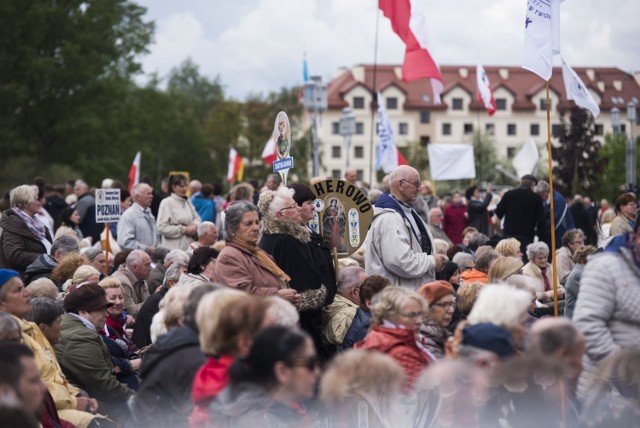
{"x": 539, "y": 269}
{"x": 286, "y": 239}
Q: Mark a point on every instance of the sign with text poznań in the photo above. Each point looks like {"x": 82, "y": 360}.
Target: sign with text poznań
{"x": 107, "y": 205}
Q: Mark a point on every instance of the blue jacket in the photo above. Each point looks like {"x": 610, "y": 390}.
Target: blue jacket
{"x": 357, "y": 330}
{"x": 205, "y": 207}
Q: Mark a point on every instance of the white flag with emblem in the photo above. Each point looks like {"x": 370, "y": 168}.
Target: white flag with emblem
{"x": 387, "y": 153}
{"x": 541, "y": 36}
{"x": 577, "y": 91}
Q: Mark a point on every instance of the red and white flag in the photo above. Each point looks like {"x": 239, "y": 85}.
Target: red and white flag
{"x": 236, "y": 166}
{"x": 401, "y": 159}
{"x": 485, "y": 94}
{"x": 408, "y": 21}
{"x": 134, "y": 172}
{"x": 269, "y": 153}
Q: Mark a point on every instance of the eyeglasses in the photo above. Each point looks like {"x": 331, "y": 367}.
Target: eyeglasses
{"x": 417, "y": 184}
{"x": 309, "y": 363}
{"x": 412, "y": 315}
{"x": 292, "y": 206}
{"x": 445, "y": 305}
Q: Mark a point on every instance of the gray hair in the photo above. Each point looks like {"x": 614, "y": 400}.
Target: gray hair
{"x": 23, "y": 195}
{"x": 193, "y": 300}
{"x": 66, "y": 245}
{"x": 542, "y": 187}
{"x": 204, "y": 227}
{"x": 463, "y": 260}
{"x": 349, "y": 277}
{"x": 173, "y": 273}
{"x": 92, "y": 253}
{"x": 137, "y": 190}
{"x": 135, "y": 257}
{"x": 484, "y": 260}
{"x": 44, "y": 311}
{"x": 159, "y": 254}
{"x": 234, "y": 215}
{"x": 282, "y": 312}
{"x": 478, "y": 240}
{"x": 500, "y": 304}
{"x": 176, "y": 256}
{"x": 81, "y": 184}
{"x": 8, "y": 324}
{"x": 43, "y": 287}
{"x": 536, "y": 249}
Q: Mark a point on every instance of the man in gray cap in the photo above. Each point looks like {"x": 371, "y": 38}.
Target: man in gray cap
{"x": 523, "y": 213}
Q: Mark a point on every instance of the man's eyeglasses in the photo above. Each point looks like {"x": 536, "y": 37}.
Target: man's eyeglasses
{"x": 309, "y": 363}
{"x": 417, "y": 184}
{"x": 288, "y": 208}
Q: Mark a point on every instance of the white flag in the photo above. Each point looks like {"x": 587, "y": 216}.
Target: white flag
{"x": 451, "y": 161}
{"x": 541, "y": 36}
{"x": 387, "y": 154}
{"x": 526, "y": 159}
{"x": 485, "y": 94}
{"x": 577, "y": 91}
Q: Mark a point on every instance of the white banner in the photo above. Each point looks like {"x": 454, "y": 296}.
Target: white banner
{"x": 451, "y": 161}
{"x": 107, "y": 205}
{"x": 541, "y": 36}
{"x": 577, "y": 91}
{"x": 526, "y": 159}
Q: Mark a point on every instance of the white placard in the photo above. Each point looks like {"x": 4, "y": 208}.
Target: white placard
{"x": 107, "y": 205}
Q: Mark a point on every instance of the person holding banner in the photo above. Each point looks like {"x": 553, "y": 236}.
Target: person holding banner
{"x": 399, "y": 245}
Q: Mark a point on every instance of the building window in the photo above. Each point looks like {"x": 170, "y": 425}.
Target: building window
{"x": 623, "y": 128}
{"x": 336, "y": 151}
{"x": 392, "y": 103}
{"x": 543, "y": 104}
{"x": 360, "y": 174}
{"x": 511, "y": 129}
{"x": 456, "y": 104}
{"x": 358, "y": 152}
{"x": 555, "y": 130}
{"x": 489, "y": 128}
{"x": 534, "y": 129}
{"x": 335, "y": 173}
{"x": 425, "y": 140}
{"x": 335, "y": 128}
{"x": 425, "y": 116}
{"x": 501, "y": 104}
{"x": 511, "y": 152}
{"x": 403, "y": 128}
{"x": 359, "y": 128}
{"x": 446, "y": 129}
{"x": 598, "y": 129}
{"x": 358, "y": 102}
{"x": 468, "y": 128}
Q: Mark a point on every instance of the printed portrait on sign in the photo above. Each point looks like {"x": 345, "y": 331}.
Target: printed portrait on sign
{"x": 334, "y": 223}
{"x": 282, "y": 136}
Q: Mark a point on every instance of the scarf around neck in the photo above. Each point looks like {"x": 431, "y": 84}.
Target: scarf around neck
{"x": 263, "y": 259}
{"x": 33, "y": 224}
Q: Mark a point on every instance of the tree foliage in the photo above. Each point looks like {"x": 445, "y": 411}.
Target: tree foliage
{"x": 576, "y": 161}
{"x": 613, "y": 156}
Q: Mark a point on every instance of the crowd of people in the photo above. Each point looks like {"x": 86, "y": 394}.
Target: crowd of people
{"x": 211, "y": 311}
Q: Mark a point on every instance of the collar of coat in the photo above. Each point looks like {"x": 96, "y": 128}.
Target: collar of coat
{"x": 286, "y": 226}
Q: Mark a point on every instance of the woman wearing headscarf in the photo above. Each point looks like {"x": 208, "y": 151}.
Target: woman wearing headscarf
{"x": 23, "y": 237}
{"x": 178, "y": 220}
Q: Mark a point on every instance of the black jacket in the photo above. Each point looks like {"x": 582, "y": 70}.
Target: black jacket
{"x": 478, "y": 215}
{"x": 524, "y": 211}
{"x": 142, "y": 328}
{"x": 167, "y": 371}
{"x": 40, "y": 268}
{"x": 321, "y": 253}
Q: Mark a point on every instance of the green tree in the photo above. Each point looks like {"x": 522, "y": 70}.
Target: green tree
{"x": 613, "y": 176}
{"x": 576, "y": 160}
{"x": 66, "y": 74}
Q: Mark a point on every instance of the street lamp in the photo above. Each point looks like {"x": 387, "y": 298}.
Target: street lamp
{"x": 631, "y": 148}
{"x": 347, "y": 129}
{"x": 315, "y": 102}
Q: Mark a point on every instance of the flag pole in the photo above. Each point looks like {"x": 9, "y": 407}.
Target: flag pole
{"x": 552, "y": 215}
{"x": 373, "y": 95}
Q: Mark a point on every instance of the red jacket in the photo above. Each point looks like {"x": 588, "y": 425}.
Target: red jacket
{"x": 208, "y": 382}
{"x": 454, "y": 222}
{"x": 401, "y": 345}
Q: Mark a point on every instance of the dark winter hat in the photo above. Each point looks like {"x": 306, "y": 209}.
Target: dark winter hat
{"x": 530, "y": 178}
{"x": 88, "y": 297}
{"x": 447, "y": 271}
{"x": 489, "y": 337}
{"x": 6, "y": 275}
{"x": 434, "y": 291}
{"x": 302, "y": 193}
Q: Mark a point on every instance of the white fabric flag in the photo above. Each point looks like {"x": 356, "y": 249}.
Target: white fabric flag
{"x": 386, "y": 154}
{"x": 577, "y": 91}
{"x": 541, "y": 36}
{"x": 526, "y": 159}
{"x": 451, "y": 161}
{"x": 485, "y": 94}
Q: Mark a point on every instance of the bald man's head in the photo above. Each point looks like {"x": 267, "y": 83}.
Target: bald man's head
{"x": 405, "y": 183}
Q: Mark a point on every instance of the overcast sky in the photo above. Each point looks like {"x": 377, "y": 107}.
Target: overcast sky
{"x": 257, "y": 45}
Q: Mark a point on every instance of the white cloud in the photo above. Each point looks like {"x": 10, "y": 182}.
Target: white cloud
{"x": 257, "y": 46}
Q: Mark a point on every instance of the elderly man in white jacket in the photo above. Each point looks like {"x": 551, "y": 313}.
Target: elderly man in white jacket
{"x": 399, "y": 244}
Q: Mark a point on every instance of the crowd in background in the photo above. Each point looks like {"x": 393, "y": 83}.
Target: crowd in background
{"x": 228, "y": 310}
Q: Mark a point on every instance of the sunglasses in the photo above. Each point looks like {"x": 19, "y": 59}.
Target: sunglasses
{"x": 310, "y": 363}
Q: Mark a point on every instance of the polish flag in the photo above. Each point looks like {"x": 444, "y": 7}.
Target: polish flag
{"x": 269, "y": 152}
{"x": 408, "y": 21}
{"x": 134, "y": 172}
{"x": 485, "y": 94}
{"x": 236, "y": 166}
{"x": 401, "y": 159}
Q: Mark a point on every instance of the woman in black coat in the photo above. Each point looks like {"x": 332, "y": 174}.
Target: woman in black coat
{"x": 478, "y": 216}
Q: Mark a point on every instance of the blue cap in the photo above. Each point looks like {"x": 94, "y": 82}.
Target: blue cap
{"x": 489, "y": 337}
{"x": 6, "y": 275}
